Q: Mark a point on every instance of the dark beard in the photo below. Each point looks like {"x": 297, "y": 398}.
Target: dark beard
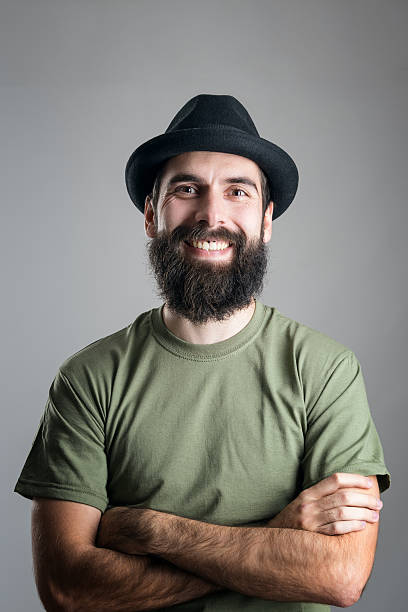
{"x": 202, "y": 290}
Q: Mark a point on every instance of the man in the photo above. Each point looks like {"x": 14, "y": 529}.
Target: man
{"x": 229, "y": 448}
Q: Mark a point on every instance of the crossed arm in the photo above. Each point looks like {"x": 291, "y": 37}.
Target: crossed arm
{"x": 277, "y": 564}
{"x": 179, "y": 559}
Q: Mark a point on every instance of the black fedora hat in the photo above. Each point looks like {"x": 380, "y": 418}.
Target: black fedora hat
{"x": 210, "y": 122}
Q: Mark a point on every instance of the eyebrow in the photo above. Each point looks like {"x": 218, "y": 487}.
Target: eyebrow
{"x": 179, "y": 178}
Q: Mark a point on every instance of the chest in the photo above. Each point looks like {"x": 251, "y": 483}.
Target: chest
{"x": 221, "y": 444}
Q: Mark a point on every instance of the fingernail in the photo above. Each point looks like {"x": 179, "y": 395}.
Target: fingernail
{"x": 370, "y": 482}
{"x": 375, "y": 515}
{"x": 379, "y": 503}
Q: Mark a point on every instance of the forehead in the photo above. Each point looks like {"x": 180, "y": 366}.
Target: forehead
{"x": 211, "y": 163}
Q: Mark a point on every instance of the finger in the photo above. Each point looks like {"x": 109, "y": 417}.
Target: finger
{"x": 340, "y": 527}
{"x": 334, "y": 482}
{"x": 347, "y": 513}
{"x": 343, "y": 497}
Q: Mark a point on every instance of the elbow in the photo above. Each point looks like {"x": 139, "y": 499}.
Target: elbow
{"x": 55, "y": 594}
{"x": 345, "y": 600}
{"x": 53, "y": 599}
{"x": 348, "y": 599}
{"x": 351, "y": 595}
{"x": 350, "y": 587}
{"x": 339, "y": 594}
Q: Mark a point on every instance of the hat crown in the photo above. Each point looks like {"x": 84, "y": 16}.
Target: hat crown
{"x": 219, "y": 111}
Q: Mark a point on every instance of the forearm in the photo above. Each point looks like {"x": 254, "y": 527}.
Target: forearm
{"x": 270, "y": 563}
{"x": 103, "y": 580}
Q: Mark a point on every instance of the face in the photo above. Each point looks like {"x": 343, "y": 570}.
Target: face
{"x": 208, "y": 237}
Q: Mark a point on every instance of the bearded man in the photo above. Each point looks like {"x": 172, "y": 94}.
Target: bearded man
{"x": 214, "y": 454}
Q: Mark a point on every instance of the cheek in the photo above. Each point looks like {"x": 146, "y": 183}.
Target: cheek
{"x": 249, "y": 223}
{"x": 170, "y": 217}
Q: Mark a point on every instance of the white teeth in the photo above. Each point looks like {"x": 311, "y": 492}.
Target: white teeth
{"x": 210, "y": 246}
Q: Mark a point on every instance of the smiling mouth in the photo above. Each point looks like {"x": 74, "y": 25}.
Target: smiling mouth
{"x": 209, "y": 245}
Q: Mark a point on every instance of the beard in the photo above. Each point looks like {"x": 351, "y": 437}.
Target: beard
{"x": 201, "y": 290}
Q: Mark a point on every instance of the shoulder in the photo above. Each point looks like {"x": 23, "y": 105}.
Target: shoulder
{"x": 306, "y": 341}
{"x": 314, "y": 354}
{"x": 100, "y": 360}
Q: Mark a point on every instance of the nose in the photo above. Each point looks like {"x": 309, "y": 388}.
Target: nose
{"x": 211, "y": 208}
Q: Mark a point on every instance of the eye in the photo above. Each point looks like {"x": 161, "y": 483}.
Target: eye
{"x": 184, "y": 187}
{"x": 241, "y": 190}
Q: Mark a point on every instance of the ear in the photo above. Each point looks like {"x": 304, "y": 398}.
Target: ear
{"x": 150, "y": 225}
{"x": 268, "y": 222}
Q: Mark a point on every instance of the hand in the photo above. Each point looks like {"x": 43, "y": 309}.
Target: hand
{"x": 126, "y": 529}
{"x": 330, "y": 506}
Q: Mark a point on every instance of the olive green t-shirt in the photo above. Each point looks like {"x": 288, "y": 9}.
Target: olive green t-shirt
{"x": 227, "y": 433}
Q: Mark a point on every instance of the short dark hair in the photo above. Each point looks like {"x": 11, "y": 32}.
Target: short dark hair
{"x": 154, "y": 194}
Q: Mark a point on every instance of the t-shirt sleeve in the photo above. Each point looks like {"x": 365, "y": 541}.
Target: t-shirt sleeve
{"x": 67, "y": 459}
{"x": 341, "y": 435}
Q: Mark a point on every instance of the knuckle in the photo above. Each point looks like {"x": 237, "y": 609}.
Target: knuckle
{"x": 336, "y": 477}
{"x": 331, "y": 514}
{"x": 331, "y": 529}
{"x": 341, "y": 498}
{"x": 303, "y": 514}
{"x": 303, "y": 509}
{"x": 341, "y": 513}
{"x": 302, "y": 495}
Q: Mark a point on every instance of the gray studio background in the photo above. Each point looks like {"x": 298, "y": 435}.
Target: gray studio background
{"x": 84, "y": 82}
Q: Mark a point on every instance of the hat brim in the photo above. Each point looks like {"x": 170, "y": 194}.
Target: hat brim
{"x": 279, "y": 167}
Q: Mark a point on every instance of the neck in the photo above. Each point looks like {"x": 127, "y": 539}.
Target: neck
{"x": 210, "y": 332}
